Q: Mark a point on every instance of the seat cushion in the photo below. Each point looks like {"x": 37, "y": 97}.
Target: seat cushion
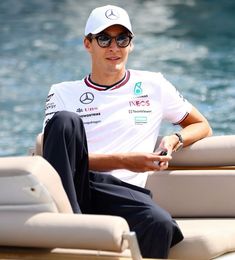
{"x": 51, "y": 230}
{"x": 204, "y": 238}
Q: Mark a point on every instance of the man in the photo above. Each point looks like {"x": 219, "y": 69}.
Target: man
{"x": 119, "y": 112}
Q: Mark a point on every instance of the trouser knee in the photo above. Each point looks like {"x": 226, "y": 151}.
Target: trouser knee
{"x": 66, "y": 119}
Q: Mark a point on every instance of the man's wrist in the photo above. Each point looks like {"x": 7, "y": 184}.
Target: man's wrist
{"x": 179, "y": 145}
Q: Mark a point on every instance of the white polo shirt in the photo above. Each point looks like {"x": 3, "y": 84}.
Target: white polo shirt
{"x": 124, "y": 118}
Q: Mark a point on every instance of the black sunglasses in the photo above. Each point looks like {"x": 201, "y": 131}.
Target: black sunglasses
{"x": 104, "y": 40}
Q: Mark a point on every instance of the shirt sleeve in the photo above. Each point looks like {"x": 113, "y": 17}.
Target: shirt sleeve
{"x": 175, "y": 106}
{"x": 53, "y": 105}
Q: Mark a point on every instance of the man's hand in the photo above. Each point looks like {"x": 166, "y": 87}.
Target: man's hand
{"x": 133, "y": 161}
{"x": 142, "y": 162}
{"x": 167, "y": 146}
{"x": 168, "y": 143}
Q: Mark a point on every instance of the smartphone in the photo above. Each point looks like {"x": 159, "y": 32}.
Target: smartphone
{"x": 163, "y": 153}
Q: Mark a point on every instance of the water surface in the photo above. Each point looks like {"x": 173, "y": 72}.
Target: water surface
{"x": 191, "y": 42}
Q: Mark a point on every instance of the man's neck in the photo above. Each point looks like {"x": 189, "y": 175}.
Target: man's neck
{"x": 108, "y": 79}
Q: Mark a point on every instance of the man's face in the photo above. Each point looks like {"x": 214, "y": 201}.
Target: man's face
{"x": 111, "y": 59}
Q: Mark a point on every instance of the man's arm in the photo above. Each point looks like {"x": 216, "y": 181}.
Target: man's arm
{"x": 194, "y": 127}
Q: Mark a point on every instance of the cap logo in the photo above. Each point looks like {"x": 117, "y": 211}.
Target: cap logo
{"x": 112, "y": 14}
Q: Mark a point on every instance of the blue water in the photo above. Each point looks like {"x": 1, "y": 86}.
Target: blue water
{"x": 191, "y": 42}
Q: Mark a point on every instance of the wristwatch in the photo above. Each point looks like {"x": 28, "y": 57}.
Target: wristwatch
{"x": 180, "y": 143}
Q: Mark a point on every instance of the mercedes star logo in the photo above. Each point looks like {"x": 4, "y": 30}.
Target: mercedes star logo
{"x": 87, "y": 98}
{"x": 112, "y": 14}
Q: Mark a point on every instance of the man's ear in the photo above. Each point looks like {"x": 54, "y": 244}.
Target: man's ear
{"x": 87, "y": 44}
{"x": 131, "y": 47}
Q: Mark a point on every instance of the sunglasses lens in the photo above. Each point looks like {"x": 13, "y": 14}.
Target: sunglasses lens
{"x": 123, "y": 40}
{"x": 104, "y": 40}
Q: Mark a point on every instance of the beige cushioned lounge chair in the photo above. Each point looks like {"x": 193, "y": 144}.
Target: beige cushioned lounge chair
{"x": 198, "y": 190}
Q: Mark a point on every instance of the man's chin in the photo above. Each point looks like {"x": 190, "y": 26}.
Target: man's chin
{"x": 115, "y": 69}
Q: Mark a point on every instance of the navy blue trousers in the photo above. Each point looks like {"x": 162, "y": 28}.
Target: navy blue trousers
{"x": 65, "y": 148}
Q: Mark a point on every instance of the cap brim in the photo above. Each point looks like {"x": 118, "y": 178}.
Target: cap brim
{"x": 101, "y": 28}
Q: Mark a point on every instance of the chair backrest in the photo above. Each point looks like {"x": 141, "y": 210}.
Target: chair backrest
{"x": 199, "y": 181}
{"x": 31, "y": 184}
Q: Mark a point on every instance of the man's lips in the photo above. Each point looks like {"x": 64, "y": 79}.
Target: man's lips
{"x": 113, "y": 58}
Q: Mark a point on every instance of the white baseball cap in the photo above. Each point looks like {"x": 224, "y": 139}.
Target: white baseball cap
{"x": 105, "y": 16}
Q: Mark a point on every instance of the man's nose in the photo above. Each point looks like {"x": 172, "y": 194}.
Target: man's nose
{"x": 113, "y": 44}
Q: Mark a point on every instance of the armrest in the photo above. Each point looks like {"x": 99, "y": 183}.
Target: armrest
{"x": 195, "y": 193}
{"x": 51, "y": 230}
{"x": 210, "y": 151}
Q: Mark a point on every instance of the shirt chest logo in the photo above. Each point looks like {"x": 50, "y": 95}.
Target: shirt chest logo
{"x": 87, "y": 98}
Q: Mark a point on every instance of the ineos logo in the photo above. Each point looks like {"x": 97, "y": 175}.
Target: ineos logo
{"x": 86, "y": 98}
{"x": 112, "y": 14}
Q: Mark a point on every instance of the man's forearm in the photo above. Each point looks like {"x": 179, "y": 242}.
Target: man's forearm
{"x": 195, "y": 127}
{"x": 195, "y": 132}
{"x": 105, "y": 162}
{"x": 133, "y": 161}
